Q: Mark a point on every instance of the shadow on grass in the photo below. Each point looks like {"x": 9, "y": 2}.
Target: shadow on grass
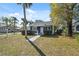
{"x": 37, "y": 48}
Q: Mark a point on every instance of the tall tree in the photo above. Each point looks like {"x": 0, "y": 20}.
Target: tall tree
{"x": 14, "y": 22}
{"x": 55, "y": 15}
{"x": 23, "y": 24}
{"x": 64, "y": 11}
{"x": 25, "y": 5}
{"x": 6, "y": 20}
{"x": 69, "y": 16}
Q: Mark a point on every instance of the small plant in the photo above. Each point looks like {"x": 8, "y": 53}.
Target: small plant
{"x": 77, "y": 37}
{"x": 65, "y": 31}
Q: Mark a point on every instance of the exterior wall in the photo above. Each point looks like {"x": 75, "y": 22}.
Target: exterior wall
{"x": 3, "y": 29}
{"x": 32, "y": 28}
{"x": 43, "y": 29}
{"x": 48, "y": 30}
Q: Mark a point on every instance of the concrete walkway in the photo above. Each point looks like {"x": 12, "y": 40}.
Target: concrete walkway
{"x": 34, "y": 38}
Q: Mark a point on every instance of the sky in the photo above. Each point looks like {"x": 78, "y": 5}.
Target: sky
{"x": 38, "y": 11}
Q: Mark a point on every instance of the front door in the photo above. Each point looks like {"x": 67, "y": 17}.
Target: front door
{"x": 38, "y": 30}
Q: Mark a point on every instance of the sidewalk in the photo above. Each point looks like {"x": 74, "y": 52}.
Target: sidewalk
{"x": 34, "y": 38}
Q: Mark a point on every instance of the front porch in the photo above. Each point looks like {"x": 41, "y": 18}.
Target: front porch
{"x": 42, "y": 30}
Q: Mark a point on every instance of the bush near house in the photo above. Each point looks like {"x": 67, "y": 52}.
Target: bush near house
{"x": 28, "y": 32}
{"x": 23, "y": 32}
{"x": 47, "y": 32}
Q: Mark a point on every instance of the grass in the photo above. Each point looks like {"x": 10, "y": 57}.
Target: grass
{"x": 15, "y": 45}
{"x": 59, "y": 46}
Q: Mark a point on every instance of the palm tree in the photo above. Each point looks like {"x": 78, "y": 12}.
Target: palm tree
{"x": 6, "y": 20}
{"x": 25, "y": 5}
{"x": 23, "y": 24}
{"x": 13, "y": 23}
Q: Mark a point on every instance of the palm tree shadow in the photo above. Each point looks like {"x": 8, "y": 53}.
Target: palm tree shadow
{"x": 38, "y": 49}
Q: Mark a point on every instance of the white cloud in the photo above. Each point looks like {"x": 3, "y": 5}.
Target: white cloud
{"x": 17, "y": 15}
{"x": 32, "y": 15}
{"x": 14, "y": 14}
{"x": 30, "y": 11}
{"x": 38, "y": 15}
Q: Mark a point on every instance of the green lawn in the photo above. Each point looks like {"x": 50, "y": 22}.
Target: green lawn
{"x": 58, "y": 45}
{"x": 16, "y": 45}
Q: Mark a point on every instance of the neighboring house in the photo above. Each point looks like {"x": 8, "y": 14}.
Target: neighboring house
{"x": 3, "y": 28}
{"x": 40, "y": 27}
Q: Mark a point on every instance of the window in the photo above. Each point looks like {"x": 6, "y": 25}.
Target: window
{"x": 44, "y": 28}
{"x": 49, "y": 28}
{"x": 31, "y": 28}
{"x": 77, "y": 27}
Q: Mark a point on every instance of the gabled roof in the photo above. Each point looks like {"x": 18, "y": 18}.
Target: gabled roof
{"x": 48, "y": 23}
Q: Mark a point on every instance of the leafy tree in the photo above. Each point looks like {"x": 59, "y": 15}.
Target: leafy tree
{"x": 14, "y": 22}
{"x": 63, "y": 11}
{"x": 56, "y": 16}
{"x": 7, "y": 21}
{"x": 23, "y": 23}
{"x": 69, "y": 16}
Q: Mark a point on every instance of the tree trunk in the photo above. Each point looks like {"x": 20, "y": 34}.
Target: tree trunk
{"x": 53, "y": 31}
{"x": 7, "y": 28}
{"x": 70, "y": 32}
{"x": 25, "y": 19}
{"x": 14, "y": 27}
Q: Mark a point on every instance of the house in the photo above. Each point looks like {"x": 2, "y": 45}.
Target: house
{"x": 3, "y": 28}
{"x": 41, "y": 27}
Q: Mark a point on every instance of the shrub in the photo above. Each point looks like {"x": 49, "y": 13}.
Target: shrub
{"x": 29, "y": 32}
{"x": 23, "y": 32}
{"x": 47, "y": 32}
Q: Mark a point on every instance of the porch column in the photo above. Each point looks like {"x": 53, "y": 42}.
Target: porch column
{"x": 41, "y": 30}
